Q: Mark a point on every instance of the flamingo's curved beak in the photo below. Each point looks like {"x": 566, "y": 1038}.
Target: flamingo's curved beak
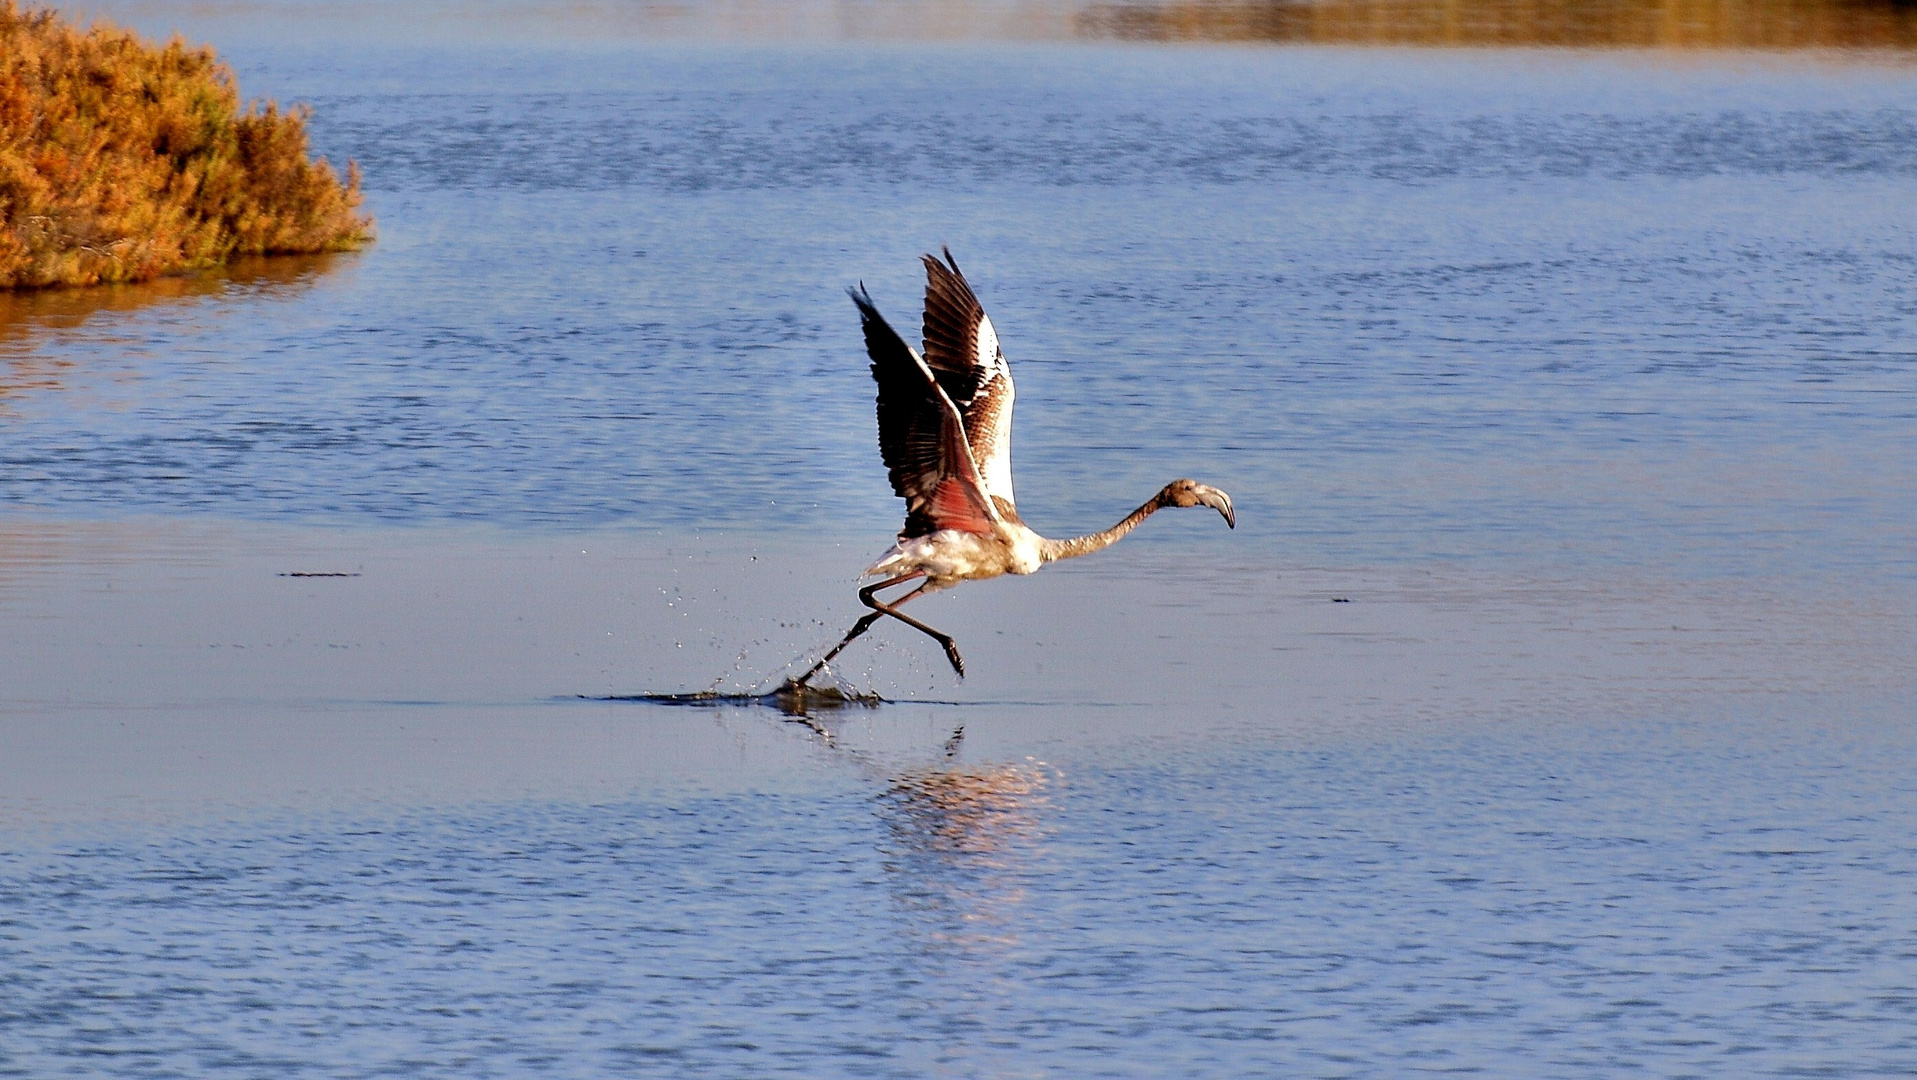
{"x": 1217, "y": 500}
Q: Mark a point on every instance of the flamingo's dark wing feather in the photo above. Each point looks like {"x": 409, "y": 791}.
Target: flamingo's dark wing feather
{"x": 921, "y": 435}
{"x": 961, "y": 348}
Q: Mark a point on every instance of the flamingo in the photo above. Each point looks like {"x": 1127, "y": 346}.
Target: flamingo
{"x": 945, "y": 433}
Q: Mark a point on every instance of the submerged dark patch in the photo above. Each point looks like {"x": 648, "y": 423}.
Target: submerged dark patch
{"x": 789, "y": 698}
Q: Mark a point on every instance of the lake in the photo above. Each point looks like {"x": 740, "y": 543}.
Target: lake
{"x": 1549, "y": 712}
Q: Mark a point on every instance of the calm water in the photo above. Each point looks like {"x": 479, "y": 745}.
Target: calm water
{"x": 1549, "y": 713}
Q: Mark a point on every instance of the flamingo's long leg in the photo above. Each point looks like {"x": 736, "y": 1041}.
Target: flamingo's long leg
{"x": 879, "y": 608}
{"x": 877, "y": 605}
{"x": 852, "y": 635}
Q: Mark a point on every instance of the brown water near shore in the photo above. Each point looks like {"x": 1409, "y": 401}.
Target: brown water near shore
{"x": 35, "y": 322}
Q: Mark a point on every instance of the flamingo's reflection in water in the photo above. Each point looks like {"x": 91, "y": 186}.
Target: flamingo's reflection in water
{"x": 966, "y": 840}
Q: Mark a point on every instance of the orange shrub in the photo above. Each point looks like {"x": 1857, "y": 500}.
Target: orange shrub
{"x": 120, "y": 161}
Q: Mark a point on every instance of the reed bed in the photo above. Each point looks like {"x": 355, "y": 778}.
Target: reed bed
{"x": 123, "y": 161}
{"x": 1639, "y": 24}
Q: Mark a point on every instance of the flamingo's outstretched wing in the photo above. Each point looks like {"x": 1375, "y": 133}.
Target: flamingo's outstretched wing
{"x": 962, "y": 350}
{"x": 922, "y": 436}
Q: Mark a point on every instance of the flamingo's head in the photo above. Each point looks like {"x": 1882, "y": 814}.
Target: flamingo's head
{"x": 1192, "y": 493}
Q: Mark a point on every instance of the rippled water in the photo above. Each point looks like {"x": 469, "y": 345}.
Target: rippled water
{"x": 1548, "y": 713}
{"x": 1359, "y": 905}
{"x": 1469, "y": 305}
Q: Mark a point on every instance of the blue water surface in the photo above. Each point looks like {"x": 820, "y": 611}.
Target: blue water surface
{"x": 1547, "y": 714}
{"x": 1524, "y": 306}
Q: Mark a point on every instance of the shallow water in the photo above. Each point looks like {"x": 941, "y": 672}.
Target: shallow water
{"x": 1548, "y": 713}
{"x": 345, "y": 825}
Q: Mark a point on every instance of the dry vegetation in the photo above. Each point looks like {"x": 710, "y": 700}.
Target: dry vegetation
{"x": 1680, "y": 24}
{"x": 122, "y": 161}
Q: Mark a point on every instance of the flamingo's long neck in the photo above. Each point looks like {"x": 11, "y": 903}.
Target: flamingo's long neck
{"x": 1054, "y": 550}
